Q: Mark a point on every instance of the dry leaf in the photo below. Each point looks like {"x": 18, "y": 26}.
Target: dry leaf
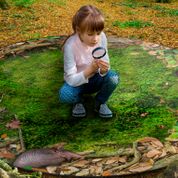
{"x": 14, "y": 124}
{"x": 153, "y": 153}
{"x": 154, "y": 141}
{"x": 7, "y": 155}
{"x": 112, "y": 160}
{"x": 81, "y": 163}
{"x": 141, "y": 167}
{"x": 3, "y": 136}
{"x": 123, "y": 159}
{"x": 106, "y": 173}
{"x": 83, "y": 173}
{"x": 96, "y": 160}
{"x": 163, "y": 153}
{"x": 51, "y": 169}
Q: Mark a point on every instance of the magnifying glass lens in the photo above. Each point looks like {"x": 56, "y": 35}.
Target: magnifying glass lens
{"x": 98, "y": 53}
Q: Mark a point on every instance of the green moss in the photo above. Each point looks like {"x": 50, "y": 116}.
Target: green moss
{"x": 30, "y": 87}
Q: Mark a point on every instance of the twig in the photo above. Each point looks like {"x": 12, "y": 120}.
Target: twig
{"x": 137, "y": 157}
{"x": 20, "y": 137}
{"x": 120, "y": 152}
{"x": 21, "y": 140}
{"x": 1, "y": 98}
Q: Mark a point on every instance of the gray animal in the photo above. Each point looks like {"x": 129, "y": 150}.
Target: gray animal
{"x": 44, "y": 157}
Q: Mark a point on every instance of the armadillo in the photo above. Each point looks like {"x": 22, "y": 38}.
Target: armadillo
{"x": 44, "y": 157}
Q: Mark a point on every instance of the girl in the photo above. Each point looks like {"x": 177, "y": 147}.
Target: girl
{"x": 82, "y": 73}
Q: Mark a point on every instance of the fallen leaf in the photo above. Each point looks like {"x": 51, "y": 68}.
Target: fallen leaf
{"x": 71, "y": 170}
{"x": 163, "y": 153}
{"x": 3, "y": 136}
{"x": 7, "y": 155}
{"x": 98, "y": 170}
{"x": 51, "y": 169}
{"x": 81, "y": 163}
{"x": 83, "y": 173}
{"x": 106, "y": 173}
{"x": 141, "y": 167}
{"x": 96, "y": 160}
{"x": 153, "y": 141}
{"x": 123, "y": 159}
{"x": 153, "y": 153}
{"x": 14, "y": 124}
{"x": 112, "y": 160}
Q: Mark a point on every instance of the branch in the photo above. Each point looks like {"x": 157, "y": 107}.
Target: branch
{"x": 137, "y": 157}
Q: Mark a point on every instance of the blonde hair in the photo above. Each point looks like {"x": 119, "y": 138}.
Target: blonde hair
{"x": 88, "y": 19}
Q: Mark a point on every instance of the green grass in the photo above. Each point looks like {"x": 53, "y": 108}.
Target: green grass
{"x": 165, "y": 11}
{"x": 133, "y": 23}
{"x": 23, "y": 3}
{"x": 59, "y": 2}
{"x": 30, "y": 87}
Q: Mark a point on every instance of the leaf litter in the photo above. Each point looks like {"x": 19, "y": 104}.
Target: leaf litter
{"x": 45, "y": 18}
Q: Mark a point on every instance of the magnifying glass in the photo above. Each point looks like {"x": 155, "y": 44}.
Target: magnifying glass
{"x": 99, "y": 53}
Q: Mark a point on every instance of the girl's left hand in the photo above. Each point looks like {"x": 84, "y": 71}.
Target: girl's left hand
{"x": 103, "y": 65}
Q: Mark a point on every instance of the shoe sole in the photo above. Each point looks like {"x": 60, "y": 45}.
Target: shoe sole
{"x": 78, "y": 115}
{"x": 103, "y": 116}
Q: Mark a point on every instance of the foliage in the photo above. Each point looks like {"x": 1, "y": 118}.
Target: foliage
{"x": 23, "y": 3}
{"x": 134, "y": 23}
{"x": 30, "y": 86}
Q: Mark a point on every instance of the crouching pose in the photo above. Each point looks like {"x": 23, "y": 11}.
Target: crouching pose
{"x": 82, "y": 73}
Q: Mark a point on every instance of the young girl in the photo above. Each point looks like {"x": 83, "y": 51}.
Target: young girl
{"x": 82, "y": 73}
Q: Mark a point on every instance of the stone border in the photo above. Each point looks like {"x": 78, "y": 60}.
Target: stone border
{"x": 167, "y": 55}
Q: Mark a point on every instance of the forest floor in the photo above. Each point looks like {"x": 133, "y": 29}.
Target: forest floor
{"x": 145, "y": 20}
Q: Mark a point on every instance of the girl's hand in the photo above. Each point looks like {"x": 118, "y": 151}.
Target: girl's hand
{"x": 91, "y": 69}
{"x": 103, "y": 65}
{"x": 94, "y": 66}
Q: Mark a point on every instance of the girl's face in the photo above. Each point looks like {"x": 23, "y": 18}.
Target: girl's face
{"x": 90, "y": 38}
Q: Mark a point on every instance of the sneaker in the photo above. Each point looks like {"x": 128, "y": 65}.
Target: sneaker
{"x": 78, "y": 110}
{"x": 104, "y": 111}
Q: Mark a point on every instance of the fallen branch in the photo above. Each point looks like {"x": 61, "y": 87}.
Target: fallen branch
{"x": 137, "y": 157}
{"x": 21, "y": 47}
{"x": 120, "y": 152}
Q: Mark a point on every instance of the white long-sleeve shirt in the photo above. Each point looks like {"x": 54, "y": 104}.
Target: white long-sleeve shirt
{"x": 77, "y": 56}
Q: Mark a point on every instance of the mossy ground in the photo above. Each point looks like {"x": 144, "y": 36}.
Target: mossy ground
{"x": 141, "y": 103}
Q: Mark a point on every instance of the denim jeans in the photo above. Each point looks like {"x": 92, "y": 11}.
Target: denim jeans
{"x": 102, "y": 86}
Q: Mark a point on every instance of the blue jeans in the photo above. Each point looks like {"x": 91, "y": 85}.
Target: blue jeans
{"x": 102, "y": 86}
